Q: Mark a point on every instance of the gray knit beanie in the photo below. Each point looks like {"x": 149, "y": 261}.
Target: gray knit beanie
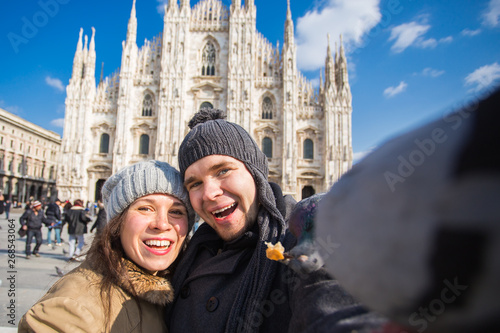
{"x": 140, "y": 179}
{"x": 211, "y": 134}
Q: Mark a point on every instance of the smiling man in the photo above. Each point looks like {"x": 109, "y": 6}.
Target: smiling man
{"x": 225, "y": 283}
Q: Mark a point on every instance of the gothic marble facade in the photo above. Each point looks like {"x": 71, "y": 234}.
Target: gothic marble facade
{"x": 207, "y": 55}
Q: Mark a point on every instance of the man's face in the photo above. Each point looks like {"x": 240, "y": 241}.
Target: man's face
{"x": 223, "y": 193}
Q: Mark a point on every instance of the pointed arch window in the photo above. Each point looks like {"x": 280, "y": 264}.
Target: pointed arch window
{"x": 308, "y": 149}
{"x": 147, "y": 106}
{"x": 104, "y": 144}
{"x": 267, "y": 147}
{"x": 208, "y": 60}
{"x": 267, "y": 108}
{"x": 144, "y": 144}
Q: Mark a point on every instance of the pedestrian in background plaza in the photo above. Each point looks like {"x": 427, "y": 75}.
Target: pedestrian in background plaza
{"x": 32, "y": 220}
{"x": 100, "y": 221}
{"x": 77, "y": 220}
{"x": 2, "y": 204}
{"x": 7, "y": 208}
{"x": 53, "y": 214}
{"x": 123, "y": 284}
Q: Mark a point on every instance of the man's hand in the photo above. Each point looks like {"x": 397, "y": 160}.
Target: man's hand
{"x": 25, "y": 227}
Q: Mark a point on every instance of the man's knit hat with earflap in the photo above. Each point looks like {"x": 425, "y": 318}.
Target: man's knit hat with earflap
{"x": 211, "y": 134}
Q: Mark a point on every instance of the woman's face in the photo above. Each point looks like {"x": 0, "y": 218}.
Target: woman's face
{"x": 154, "y": 230}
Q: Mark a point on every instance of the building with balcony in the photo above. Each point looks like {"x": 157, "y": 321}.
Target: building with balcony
{"x": 29, "y": 157}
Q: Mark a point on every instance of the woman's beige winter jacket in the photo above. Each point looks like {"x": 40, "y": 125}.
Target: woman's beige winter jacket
{"x": 73, "y": 304}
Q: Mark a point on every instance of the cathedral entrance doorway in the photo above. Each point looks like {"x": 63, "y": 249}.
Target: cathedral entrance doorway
{"x": 308, "y": 191}
{"x": 98, "y": 189}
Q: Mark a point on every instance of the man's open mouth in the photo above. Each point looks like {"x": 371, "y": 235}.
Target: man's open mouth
{"x": 223, "y": 212}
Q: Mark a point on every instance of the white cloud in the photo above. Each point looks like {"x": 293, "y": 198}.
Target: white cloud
{"x": 10, "y": 108}
{"x": 160, "y": 8}
{"x": 59, "y": 122}
{"x": 492, "y": 14}
{"x": 412, "y": 34}
{"x": 315, "y": 83}
{"x": 483, "y": 77}
{"x": 393, "y": 91}
{"x": 470, "y": 33}
{"x": 448, "y": 39}
{"x": 61, "y": 108}
{"x": 55, "y": 83}
{"x": 352, "y": 19}
{"x": 432, "y": 72}
{"x": 407, "y": 34}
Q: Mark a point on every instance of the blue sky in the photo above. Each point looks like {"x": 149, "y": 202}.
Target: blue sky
{"x": 409, "y": 61}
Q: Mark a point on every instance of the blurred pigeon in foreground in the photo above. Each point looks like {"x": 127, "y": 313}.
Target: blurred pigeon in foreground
{"x": 418, "y": 224}
{"x": 59, "y": 272}
{"x": 305, "y": 256}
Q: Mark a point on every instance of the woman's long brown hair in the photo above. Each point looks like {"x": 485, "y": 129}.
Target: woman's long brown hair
{"x": 106, "y": 256}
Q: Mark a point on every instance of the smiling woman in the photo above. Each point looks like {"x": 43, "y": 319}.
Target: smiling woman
{"x": 124, "y": 282}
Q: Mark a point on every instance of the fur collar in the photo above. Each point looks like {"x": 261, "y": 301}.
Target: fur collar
{"x": 155, "y": 289}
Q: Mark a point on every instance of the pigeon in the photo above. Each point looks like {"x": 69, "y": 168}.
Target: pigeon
{"x": 304, "y": 257}
{"x": 417, "y": 223}
{"x": 59, "y": 272}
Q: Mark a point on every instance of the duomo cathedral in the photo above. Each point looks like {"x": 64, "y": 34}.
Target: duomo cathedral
{"x": 207, "y": 56}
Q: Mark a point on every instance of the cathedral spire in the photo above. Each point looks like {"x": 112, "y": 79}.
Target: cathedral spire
{"x": 341, "y": 51}
{"x": 91, "y": 56}
{"x": 328, "y": 49}
{"x": 78, "y": 59}
{"x": 249, "y": 4}
{"x": 132, "y": 26}
{"x": 85, "y": 49}
{"x": 329, "y": 66}
{"x": 102, "y": 71}
{"x": 236, "y": 3}
{"x": 289, "y": 40}
{"x": 92, "y": 42}
{"x": 79, "y": 44}
{"x": 320, "y": 82}
{"x": 172, "y": 4}
{"x": 342, "y": 65}
{"x": 336, "y": 53}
